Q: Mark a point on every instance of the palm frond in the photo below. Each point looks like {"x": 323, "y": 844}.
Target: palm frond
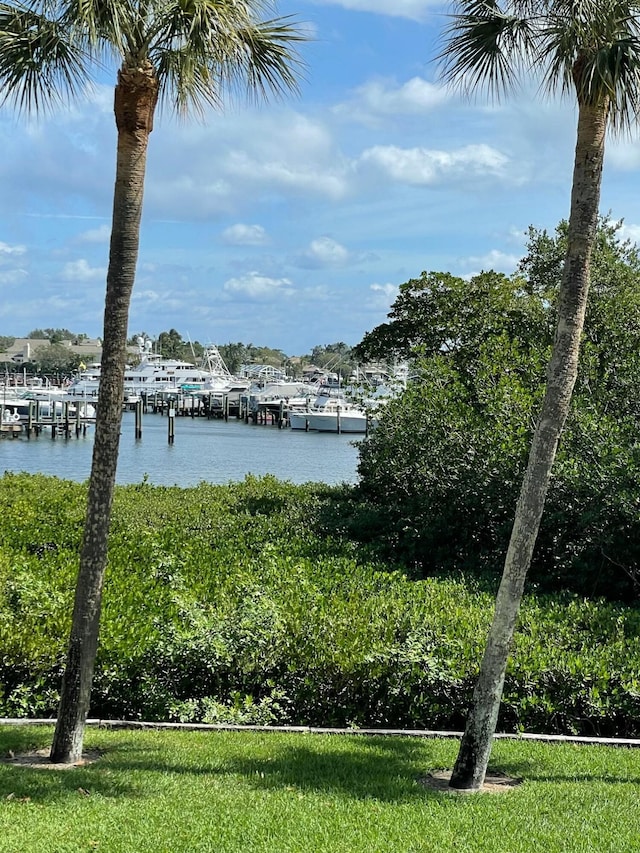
{"x": 206, "y": 49}
{"x": 264, "y": 61}
{"x": 486, "y": 47}
{"x": 187, "y": 84}
{"x": 200, "y": 49}
{"x": 42, "y": 61}
{"x": 593, "y": 49}
{"x": 104, "y": 23}
{"x": 589, "y": 48}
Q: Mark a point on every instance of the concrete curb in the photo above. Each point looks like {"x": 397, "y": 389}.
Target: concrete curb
{"x": 315, "y": 730}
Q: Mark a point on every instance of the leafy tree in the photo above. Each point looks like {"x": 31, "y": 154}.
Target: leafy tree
{"x": 56, "y": 358}
{"x": 187, "y": 55}
{"x": 268, "y": 355}
{"x": 441, "y": 472}
{"x": 292, "y": 367}
{"x": 336, "y": 357}
{"x": 233, "y": 355}
{"x": 132, "y": 341}
{"x": 171, "y": 345}
{"x": 439, "y": 313}
{"x": 6, "y": 341}
{"x": 54, "y": 336}
{"x": 609, "y": 356}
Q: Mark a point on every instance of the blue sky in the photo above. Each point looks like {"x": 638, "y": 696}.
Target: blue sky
{"x": 293, "y": 223}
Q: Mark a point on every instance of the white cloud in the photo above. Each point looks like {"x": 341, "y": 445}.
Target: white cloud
{"x": 324, "y": 252}
{"x": 10, "y": 256}
{"x": 495, "y": 260}
{"x": 6, "y": 249}
{"x": 383, "y": 296}
{"x": 259, "y": 286}
{"x": 156, "y": 299}
{"x": 414, "y": 9}
{"x": 630, "y": 232}
{"x": 15, "y": 276}
{"x": 422, "y": 166}
{"x": 259, "y": 156}
{"x": 81, "y": 271}
{"x": 623, "y": 154}
{"x": 101, "y": 234}
{"x": 286, "y": 175}
{"x": 380, "y": 98}
{"x": 245, "y": 235}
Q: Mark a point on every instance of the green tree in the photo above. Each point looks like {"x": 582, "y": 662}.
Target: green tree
{"x": 55, "y": 336}
{"x": 171, "y": 345}
{"x": 268, "y": 355}
{"x": 234, "y": 355}
{"x": 56, "y": 358}
{"x": 187, "y": 55}
{"x": 591, "y": 49}
{"x": 440, "y": 313}
{"x": 337, "y": 358}
{"x": 440, "y": 475}
{"x": 6, "y": 341}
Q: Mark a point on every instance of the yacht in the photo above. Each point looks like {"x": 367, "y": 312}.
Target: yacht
{"x": 46, "y": 402}
{"x": 330, "y": 413}
{"x": 154, "y": 374}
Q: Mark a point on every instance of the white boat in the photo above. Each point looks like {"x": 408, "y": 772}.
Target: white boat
{"x": 330, "y": 413}
{"x": 155, "y": 374}
{"x": 290, "y": 393}
{"x": 45, "y": 402}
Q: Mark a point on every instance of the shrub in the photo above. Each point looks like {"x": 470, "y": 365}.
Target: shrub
{"x": 250, "y": 604}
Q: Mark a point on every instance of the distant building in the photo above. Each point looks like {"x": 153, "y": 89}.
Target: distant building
{"x": 23, "y": 350}
{"x": 311, "y": 373}
{"x": 260, "y": 373}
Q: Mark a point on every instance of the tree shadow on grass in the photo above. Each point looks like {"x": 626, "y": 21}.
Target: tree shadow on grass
{"x": 25, "y": 783}
{"x": 535, "y": 771}
{"x": 385, "y": 769}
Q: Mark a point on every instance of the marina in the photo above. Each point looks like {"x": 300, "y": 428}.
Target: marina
{"x": 203, "y": 450}
{"x": 184, "y": 424}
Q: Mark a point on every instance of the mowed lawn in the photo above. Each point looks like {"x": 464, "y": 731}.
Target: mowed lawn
{"x": 182, "y": 792}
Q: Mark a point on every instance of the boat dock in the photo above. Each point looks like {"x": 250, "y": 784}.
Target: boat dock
{"x": 70, "y": 420}
{"x": 11, "y": 430}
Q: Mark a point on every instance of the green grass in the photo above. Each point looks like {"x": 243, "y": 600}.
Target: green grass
{"x": 226, "y": 792}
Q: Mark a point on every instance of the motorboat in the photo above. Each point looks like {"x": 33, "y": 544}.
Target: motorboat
{"x": 289, "y": 393}
{"x": 330, "y": 413}
{"x": 155, "y": 374}
{"x": 46, "y": 402}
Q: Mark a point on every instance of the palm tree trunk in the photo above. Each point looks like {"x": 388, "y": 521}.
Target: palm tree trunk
{"x": 475, "y": 748}
{"x": 135, "y": 100}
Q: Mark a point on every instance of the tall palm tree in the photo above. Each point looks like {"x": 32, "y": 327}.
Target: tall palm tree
{"x": 591, "y": 50}
{"x": 187, "y": 53}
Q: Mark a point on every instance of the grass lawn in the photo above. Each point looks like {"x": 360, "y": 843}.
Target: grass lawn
{"x": 186, "y": 792}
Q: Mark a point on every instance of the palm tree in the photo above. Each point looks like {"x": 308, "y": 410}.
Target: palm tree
{"x": 590, "y": 48}
{"x": 185, "y": 53}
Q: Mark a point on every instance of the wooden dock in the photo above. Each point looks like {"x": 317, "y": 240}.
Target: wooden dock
{"x": 70, "y": 420}
{"x": 10, "y": 430}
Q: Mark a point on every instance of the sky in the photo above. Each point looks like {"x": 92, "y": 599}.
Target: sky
{"x": 292, "y": 223}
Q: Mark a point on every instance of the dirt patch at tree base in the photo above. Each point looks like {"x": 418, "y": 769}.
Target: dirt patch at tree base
{"x": 494, "y": 783}
{"x": 39, "y": 759}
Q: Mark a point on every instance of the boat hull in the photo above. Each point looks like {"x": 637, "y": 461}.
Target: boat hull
{"x": 336, "y": 421}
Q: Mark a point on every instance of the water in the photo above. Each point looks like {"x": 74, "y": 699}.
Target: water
{"x": 211, "y": 451}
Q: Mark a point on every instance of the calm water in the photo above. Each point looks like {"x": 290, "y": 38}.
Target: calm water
{"x": 213, "y": 451}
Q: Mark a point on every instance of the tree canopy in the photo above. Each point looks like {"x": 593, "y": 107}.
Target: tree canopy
{"x": 447, "y": 458}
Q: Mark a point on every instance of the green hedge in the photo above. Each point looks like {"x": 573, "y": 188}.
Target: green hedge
{"x": 245, "y": 603}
